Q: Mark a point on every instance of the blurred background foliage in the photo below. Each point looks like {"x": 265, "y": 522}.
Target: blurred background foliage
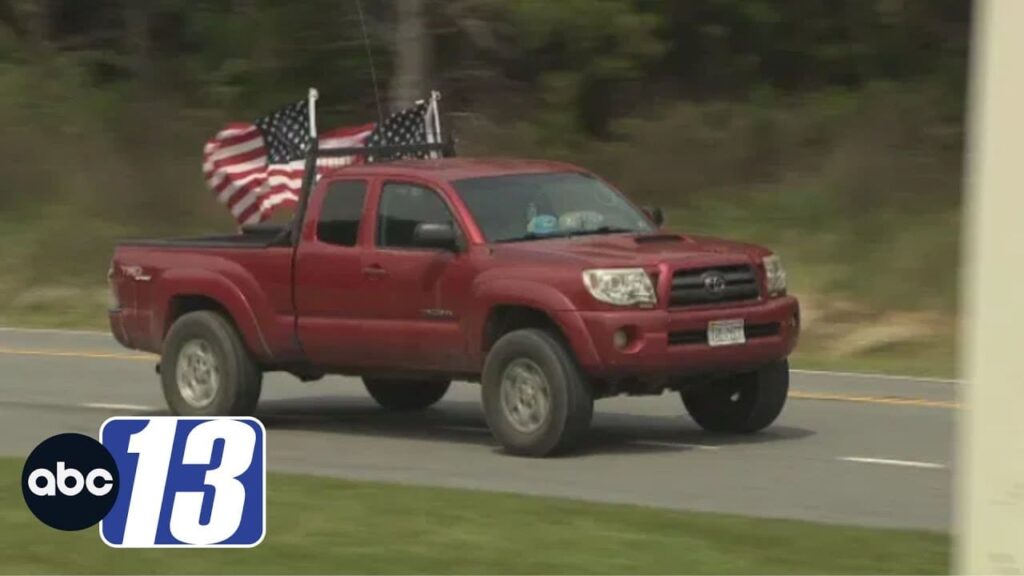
{"x": 830, "y": 129}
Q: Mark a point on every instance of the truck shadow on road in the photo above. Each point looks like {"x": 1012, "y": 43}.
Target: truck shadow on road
{"x": 463, "y": 422}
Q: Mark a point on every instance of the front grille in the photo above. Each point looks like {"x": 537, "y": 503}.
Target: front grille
{"x": 713, "y": 285}
{"x": 751, "y": 331}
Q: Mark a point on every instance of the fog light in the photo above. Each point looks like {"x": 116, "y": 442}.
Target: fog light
{"x": 620, "y": 339}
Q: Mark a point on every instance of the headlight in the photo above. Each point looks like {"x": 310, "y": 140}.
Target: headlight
{"x": 775, "y": 274}
{"x": 620, "y": 286}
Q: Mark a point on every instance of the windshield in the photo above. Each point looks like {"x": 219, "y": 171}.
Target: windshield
{"x": 522, "y": 207}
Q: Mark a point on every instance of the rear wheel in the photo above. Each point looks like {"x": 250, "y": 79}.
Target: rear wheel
{"x": 743, "y": 403}
{"x": 536, "y": 400}
{"x": 406, "y": 395}
{"x": 205, "y": 369}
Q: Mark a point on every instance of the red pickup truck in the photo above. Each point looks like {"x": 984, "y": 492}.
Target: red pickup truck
{"x": 537, "y": 279}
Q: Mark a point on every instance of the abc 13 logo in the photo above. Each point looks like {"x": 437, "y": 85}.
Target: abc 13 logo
{"x": 155, "y": 482}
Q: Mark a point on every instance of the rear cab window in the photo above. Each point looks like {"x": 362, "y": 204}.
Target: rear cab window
{"x": 340, "y": 212}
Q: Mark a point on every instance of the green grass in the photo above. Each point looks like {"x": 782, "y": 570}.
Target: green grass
{"x": 55, "y": 307}
{"x": 933, "y": 359}
{"x": 318, "y": 525}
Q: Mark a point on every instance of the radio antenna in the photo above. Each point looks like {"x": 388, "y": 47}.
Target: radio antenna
{"x": 369, "y": 56}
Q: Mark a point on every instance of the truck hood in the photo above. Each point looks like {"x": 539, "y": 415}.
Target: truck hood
{"x": 643, "y": 250}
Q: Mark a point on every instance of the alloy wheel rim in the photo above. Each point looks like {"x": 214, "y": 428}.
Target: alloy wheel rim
{"x": 525, "y": 395}
{"x": 197, "y": 373}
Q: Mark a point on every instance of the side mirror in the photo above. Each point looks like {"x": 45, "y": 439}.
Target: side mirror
{"x": 655, "y": 214}
{"x": 435, "y": 235}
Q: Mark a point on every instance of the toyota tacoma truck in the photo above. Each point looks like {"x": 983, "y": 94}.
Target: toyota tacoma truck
{"x": 537, "y": 279}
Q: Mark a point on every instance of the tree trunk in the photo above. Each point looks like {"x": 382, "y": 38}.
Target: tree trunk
{"x": 136, "y": 19}
{"x": 412, "y": 55}
{"x": 30, "y": 18}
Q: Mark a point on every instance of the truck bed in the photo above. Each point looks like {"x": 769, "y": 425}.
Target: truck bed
{"x": 252, "y": 237}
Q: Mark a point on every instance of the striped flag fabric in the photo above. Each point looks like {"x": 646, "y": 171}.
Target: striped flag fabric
{"x": 255, "y": 169}
{"x": 405, "y": 127}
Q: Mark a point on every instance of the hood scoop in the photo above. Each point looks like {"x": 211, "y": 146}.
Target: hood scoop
{"x": 656, "y": 238}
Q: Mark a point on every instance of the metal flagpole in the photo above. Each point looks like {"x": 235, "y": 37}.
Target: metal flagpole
{"x": 435, "y": 97}
{"x": 428, "y": 116}
{"x": 432, "y": 121}
{"x": 312, "y": 97}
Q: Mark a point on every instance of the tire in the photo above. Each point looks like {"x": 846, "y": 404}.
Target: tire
{"x": 208, "y": 338}
{"x": 741, "y": 404}
{"x": 533, "y": 359}
{"x": 406, "y": 395}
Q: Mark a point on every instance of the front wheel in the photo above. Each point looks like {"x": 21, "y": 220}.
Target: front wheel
{"x": 406, "y": 395}
{"x": 740, "y": 404}
{"x": 536, "y": 400}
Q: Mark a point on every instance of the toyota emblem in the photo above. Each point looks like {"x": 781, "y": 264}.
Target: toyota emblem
{"x": 714, "y": 283}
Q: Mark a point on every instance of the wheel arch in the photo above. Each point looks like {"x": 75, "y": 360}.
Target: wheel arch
{"x": 237, "y": 315}
{"x": 566, "y": 326}
{"x": 504, "y": 318}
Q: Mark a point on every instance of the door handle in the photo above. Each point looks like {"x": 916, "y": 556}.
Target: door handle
{"x": 375, "y": 271}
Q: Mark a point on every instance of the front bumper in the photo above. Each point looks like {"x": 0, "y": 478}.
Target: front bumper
{"x": 673, "y": 343}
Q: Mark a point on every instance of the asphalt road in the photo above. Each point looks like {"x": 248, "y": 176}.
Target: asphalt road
{"x": 866, "y": 450}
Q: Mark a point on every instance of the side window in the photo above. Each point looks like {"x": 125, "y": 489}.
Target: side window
{"x": 402, "y": 207}
{"x": 341, "y": 211}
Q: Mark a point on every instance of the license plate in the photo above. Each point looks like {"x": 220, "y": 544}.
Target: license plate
{"x": 726, "y": 333}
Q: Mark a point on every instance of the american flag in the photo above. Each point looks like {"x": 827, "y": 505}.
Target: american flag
{"x": 255, "y": 169}
{"x": 401, "y": 129}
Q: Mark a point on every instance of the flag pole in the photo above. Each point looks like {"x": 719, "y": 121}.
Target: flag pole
{"x": 309, "y": 174}
{"x": 312, "y": 97}
{"x": 435, "y": 96}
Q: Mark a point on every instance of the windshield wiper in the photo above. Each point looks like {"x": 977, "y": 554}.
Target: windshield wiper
{"x": 566, "y": 234}
{"x": 532, "y": 236}
{"x": 601, "y": 230}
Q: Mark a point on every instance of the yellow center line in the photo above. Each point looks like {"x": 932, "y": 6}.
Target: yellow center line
{"x": 800, "y": 395}
{"x": 77, "y": 354}
{"x": 889, "y": 400}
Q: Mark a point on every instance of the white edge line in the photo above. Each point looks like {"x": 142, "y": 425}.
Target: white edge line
{"x": 664, "y": 444}
{"x": 888, "y": 462}
{"x": 878, "y": 376}
{"x": 127, "y": 407}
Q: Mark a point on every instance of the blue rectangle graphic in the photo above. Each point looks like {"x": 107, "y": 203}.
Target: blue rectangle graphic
{"x": 186, "y": 482}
